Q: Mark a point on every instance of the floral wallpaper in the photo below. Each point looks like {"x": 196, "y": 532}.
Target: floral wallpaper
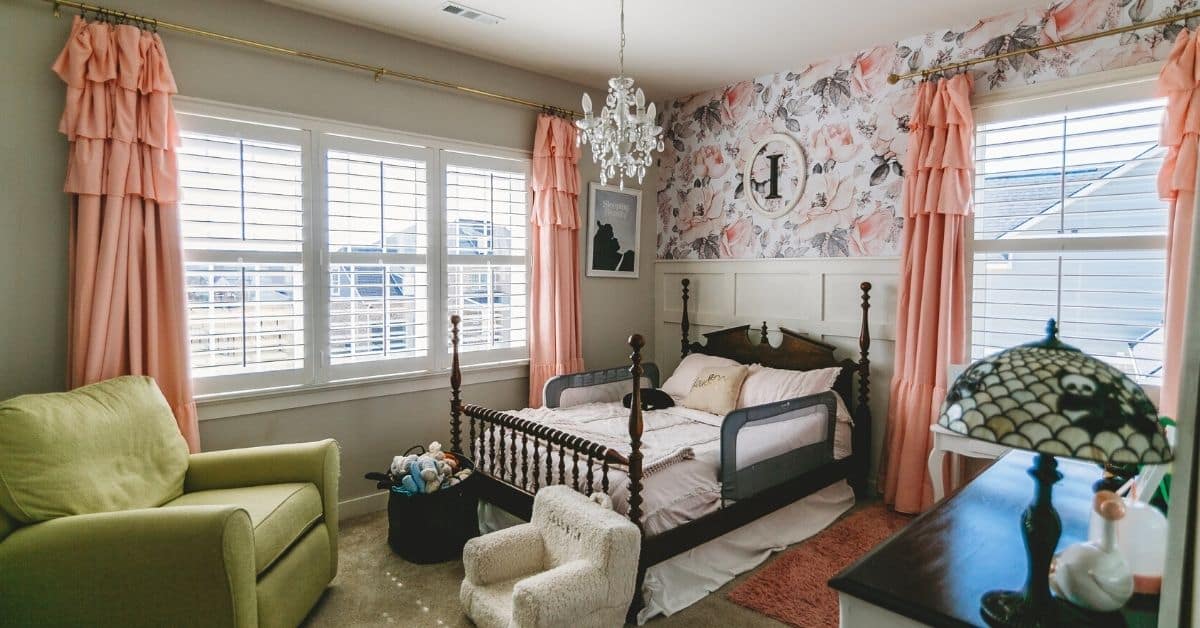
{"x": 853, "y": 126}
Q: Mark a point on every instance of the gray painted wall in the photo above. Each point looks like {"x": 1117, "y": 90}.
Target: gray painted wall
{"x": 33, "y": 210}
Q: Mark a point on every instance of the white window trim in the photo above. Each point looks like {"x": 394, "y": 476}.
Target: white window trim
{"x": 1130, "y": 83}
{"x": 319, "y": 382}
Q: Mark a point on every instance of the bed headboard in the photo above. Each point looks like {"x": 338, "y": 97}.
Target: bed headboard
{"x": 797, "y": 352}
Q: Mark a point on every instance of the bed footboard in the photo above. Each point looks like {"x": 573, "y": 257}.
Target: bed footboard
{"x": 518, "y": 456}
{"x": 775, "y": 423}
{"x": 528, "y": 455}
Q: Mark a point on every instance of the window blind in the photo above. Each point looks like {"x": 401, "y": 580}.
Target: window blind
{"x": 319, "y": 252}
{"x": 1068, "y": 224}
{"x": 378, "y": 245}
{"x": 243, "y": 226}
{"x": 486, "y": 233}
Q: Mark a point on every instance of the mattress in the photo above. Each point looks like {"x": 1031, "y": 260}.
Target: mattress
{"x": 681, "y": 453}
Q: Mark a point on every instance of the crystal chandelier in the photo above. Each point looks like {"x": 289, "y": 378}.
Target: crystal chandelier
{"x": 624, "y": 135}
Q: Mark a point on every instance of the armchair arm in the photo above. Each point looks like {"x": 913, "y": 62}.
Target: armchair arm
{"x": 504, "y": 554}
{"x": 183, "y": 566}
{"x": 559, "y": 596}
{"x": 317, "y": 462}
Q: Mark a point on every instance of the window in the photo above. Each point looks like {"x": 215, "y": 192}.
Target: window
{"x": 320, "y": 253}
{"x": 1068, "y": 224}
{"x": 485, "y": 243}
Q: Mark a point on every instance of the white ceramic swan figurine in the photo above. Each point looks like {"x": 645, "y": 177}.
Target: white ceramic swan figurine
{"x": 1094, "y": 575}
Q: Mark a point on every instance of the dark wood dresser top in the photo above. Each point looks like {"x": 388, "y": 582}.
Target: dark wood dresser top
{"x": 935, "y": 570}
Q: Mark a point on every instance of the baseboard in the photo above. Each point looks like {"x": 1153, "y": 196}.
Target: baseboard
{"x": 364, "y": 505}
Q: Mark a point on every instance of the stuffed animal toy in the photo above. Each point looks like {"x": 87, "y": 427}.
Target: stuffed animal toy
{"x": 414, "y": 473}
{"x": 459, "y": 477}
{"x": 424, "y": 473}
{"x": 427, "y": 468}
{"x": 399, "y": 466}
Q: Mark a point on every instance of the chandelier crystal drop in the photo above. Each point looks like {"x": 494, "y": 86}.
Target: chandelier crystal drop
{"x": 624, "y": 135}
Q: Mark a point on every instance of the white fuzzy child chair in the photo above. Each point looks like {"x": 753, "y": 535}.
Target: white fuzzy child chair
{"x": 574, "y": 564}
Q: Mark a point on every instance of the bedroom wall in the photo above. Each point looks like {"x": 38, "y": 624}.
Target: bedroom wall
{"x": 33, "y": 217}
{"x": 852, "y": 125}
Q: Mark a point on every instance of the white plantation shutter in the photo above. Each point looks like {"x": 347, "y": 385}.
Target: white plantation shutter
{"x": 486, "y": 233}
{"x": 320, "y": 253}
{"x": 378, "y": 248}
{"x": 242, "y": 209}
{"x": 1068, "y": 224}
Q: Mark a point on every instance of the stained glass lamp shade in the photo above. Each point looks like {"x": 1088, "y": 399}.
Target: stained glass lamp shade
{"x": 1050, "y": 398}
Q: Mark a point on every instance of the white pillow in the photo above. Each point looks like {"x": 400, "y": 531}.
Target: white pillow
{"x": 768, "y": 385}
{"x": 679, "y": 384}
{"x": 716, "y": 389}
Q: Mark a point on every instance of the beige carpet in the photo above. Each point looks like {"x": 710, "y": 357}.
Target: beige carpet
{"x": 374, "y": 587}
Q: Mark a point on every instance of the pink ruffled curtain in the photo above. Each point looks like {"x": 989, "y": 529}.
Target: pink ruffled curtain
{"x": 555, "y": 323}
{"x": 931, "y": 317}
{"x": 1179, "y": 81}
{"x": 126, "y": 295}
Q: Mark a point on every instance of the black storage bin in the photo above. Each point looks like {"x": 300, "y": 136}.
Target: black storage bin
{"x": 433, "y": 527}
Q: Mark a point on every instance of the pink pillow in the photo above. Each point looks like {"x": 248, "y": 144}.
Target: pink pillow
{"x": 768, "y": 385}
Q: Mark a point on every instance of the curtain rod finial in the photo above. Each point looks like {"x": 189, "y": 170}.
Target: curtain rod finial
{"x": 893, "y": 79}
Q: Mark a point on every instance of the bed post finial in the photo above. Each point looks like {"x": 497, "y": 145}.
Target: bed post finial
{"x": 764, "y": 332}
{"x": 455, "y": 388}
{"x": 862, "y": 418}
{"x": 683, "y": 322}
{"x": 635, "y": 431}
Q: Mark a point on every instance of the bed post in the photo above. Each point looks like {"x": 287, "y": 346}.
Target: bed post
{"x": 862, "y": 419}
{"x": 635, "y": 454}
{"x": 683, "y": 322}
{"x": 455, "y": 389}
{"x": 635, "y": 432}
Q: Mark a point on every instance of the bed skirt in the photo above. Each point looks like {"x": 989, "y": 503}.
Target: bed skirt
{"x": 683, "y": 580}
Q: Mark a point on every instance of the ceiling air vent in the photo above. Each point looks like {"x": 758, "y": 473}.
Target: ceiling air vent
{"x": 475, "y": 15}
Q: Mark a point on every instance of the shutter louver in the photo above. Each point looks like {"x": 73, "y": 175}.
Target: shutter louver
{"x": 1068, "y": 224}
{"x": 378, "y": 246}
{"x": 486, "y": 232}
{"x": 242, "y": 209}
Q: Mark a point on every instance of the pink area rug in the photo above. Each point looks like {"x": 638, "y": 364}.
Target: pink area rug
{"x": 793, "y": 590}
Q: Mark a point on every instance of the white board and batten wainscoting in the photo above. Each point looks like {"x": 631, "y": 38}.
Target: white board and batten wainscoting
{"x": 818, "y": 297}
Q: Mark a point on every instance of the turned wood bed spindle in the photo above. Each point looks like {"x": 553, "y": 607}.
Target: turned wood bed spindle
{"x": 455, "y": 392}
{"x": 861, "y": 437}
{"x": 684, "y": 344}
{"x": 636, "y": 342}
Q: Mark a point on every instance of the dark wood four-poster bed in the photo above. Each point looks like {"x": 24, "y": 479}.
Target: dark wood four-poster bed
{"x": 515, "y": 456}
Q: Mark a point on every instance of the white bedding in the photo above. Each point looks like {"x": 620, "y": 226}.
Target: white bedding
{"x": 688, "y": 488}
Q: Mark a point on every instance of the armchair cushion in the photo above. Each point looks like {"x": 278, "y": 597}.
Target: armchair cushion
{"x": 279, "y": 513}
{"x": 100, "y": 448}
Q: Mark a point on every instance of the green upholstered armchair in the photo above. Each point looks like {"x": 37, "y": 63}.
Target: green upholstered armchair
{"x": 106, "y": 520}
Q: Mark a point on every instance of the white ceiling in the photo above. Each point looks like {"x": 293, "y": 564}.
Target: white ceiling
{"x": 674, "y": 47}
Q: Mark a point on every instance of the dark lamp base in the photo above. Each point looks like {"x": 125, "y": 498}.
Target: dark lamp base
{"x": 1013, "y": 609}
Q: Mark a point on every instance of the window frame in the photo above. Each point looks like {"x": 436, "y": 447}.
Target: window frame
{"x": 1098, "y": 90}
{"x": 320, "y": 136}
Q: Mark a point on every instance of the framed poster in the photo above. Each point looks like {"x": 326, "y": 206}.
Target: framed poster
{"x": 614, "y": 231}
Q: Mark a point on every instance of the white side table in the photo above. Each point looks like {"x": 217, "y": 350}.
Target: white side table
{"x": 946, "y": 441}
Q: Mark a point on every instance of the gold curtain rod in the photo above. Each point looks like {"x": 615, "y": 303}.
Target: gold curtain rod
{"x": 896, "y": 78}
{"x": 379, "y": 72}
